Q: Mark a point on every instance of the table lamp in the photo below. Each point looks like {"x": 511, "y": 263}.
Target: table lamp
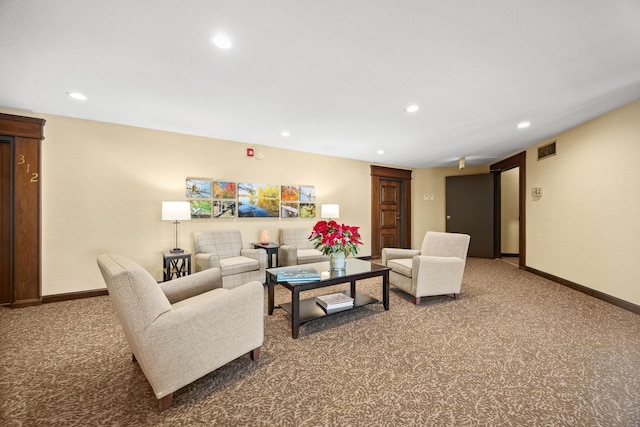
{"x": 176, "y": 212}
{"x": 330, "y": 211}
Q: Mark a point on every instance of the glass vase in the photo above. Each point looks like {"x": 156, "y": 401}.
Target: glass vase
{"x": 338, "y": 261}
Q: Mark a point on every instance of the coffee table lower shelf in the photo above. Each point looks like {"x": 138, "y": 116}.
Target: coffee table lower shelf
{"x": 310, "y": 310}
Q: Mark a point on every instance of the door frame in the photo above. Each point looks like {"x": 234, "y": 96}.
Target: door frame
{"x": 516, "y": 161}
{"x": 404, "y": 177}
{"x": 26, "y": 135}
{"x": 8, "y": 244}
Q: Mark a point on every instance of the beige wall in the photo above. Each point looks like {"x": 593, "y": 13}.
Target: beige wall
{"x": 510, "y": 211}
{"x": 586, "y": 226}
{"x": 103, "y": 184}
{"x": 429, "y": 215}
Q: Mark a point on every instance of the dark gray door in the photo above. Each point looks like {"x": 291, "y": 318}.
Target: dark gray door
{"x": 470, "y": 206}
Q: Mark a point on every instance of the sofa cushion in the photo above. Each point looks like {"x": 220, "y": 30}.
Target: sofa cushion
{"x": 401, "y": 266}
{"x": 306, "y": 256}
{"x": 298, "y": 237}
{"x": 238, "y": 264}
{"x": 224, "y": 243}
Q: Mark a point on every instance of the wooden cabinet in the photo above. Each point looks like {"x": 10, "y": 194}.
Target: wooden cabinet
{"x": 20, "y": 225}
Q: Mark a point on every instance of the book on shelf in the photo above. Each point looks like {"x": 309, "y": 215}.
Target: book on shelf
{"x": 335, "y": 310}
{"x": 335, "y": 302}
{"x": 299, "y": 275}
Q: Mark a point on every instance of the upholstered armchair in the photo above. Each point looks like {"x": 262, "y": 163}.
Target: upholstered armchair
{"x": 223, "y": 250}
{"x": 296, "y": 248}
{"x": 185, "y": 328}
{"x": 436, "y": 269}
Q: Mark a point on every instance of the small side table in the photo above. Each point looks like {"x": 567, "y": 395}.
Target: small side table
{"x": 175, "y": 264}
{"x": 272, "y": 249}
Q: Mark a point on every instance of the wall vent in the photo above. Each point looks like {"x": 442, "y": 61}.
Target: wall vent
{"x": 547, "y": 150}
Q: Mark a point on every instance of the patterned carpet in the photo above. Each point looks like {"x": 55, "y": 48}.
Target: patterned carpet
{"x": 515, "y": 350}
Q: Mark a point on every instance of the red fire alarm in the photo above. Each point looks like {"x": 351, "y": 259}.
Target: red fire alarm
{"x": 249, "y": 152}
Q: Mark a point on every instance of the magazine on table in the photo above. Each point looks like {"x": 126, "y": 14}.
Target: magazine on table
{"x": 299, "y": 275}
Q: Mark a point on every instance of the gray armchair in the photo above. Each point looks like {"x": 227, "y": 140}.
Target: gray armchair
{"x": 296, "y": 248}
{"x": 185, "y": 328}
{"x": 223, "y": 250}
{"x": 436, "y": 269}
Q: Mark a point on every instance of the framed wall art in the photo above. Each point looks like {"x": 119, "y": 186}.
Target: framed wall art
{"x": 258, "y": 200}
{"x": 197, "y": 188}
{"x": 307, "y": 193}
{"x": 200, "y": 208}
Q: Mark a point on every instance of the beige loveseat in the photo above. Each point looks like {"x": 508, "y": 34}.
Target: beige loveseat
{"x": 185, "y": 328}
{"x": 296, "y": 248}
{"x": 436, "y": 269}
{"x": 223, "y": 249}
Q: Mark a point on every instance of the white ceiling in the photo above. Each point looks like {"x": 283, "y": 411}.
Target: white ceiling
{"x": 337, "y": 74}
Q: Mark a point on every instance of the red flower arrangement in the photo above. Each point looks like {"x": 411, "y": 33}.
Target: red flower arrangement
{"x": 330, "y": 237}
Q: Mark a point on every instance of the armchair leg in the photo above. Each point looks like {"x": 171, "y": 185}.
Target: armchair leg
{"x": 416, "y": 300}
{"x": 255, "y": 354}
{"x": 456, "y": 296}
{"x": 165, "y": 402}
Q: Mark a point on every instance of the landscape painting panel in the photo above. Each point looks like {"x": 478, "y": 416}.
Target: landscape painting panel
{"x": 258, "y": 207}
{"x": 307, "y": 210}
{"x": 224, "y": 209}
{"x": 258, "y": 200}
{"x": 197, "y": 188}
{"x": 200, "y": 208}
{"x": 289, "y": 193}
{"x": 307, "y": 193}
{"x": 224, "y": 190}
{"x": 289, "y": 210}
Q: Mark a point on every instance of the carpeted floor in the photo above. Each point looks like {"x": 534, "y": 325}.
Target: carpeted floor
{"x": 516, "y": 350}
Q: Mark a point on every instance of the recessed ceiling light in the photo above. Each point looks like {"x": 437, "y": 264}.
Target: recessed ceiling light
{"x": 412, "y": 108}
{"x": 221, "y": 41}
{"x": 523, "y": 125}
{"x": 77, "y": 95}
{"x": 285, "y": 133}
{"x": 380, "y": 151}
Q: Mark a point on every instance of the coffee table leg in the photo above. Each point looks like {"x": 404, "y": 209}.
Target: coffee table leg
{"x": 295, "y": 313}
{"x": 353, "y": 289}
{"x": 270, "y": 286}
{"x": 385, "y": 289}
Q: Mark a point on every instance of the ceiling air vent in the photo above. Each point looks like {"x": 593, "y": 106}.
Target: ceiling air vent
{"x": 547, "y": 150}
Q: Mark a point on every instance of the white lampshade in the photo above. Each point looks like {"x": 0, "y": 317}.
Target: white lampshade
{"x": 176, "y": 211}
{"x": 330, "y": 211}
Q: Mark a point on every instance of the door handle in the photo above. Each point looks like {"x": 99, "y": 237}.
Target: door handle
{"x": 448, "y": 216}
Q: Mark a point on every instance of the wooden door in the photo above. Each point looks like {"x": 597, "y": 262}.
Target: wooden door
{"x": 470, "y": 208}
{"x": 389, "y": 212}
{"x": 390, "y": 209}
{"x": 23, "y": 135}
{"x": 5, "y": 221}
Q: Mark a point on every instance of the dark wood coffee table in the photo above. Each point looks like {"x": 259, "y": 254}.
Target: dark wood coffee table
{"x": 302, "y": 311}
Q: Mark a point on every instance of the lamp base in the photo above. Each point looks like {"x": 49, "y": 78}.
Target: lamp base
{"x": 177, "y": 251}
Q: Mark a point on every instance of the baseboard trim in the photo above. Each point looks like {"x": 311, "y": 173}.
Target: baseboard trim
{"x": 74, "y": 295}
{"x": 26, "y": 303}
{"x": 591, "y": 292}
